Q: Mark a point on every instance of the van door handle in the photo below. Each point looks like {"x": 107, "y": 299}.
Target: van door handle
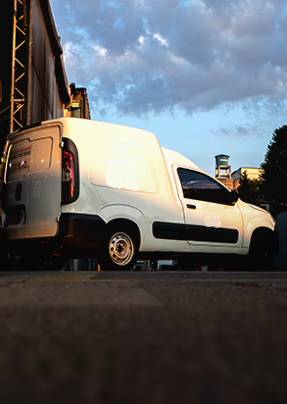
{"x": 190, "y": 206}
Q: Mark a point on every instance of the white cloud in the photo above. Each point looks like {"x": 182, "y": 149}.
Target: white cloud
{"x": 161, "y": 39}
{"x": 141, "y": 40}
{"x": 145, "y": 56}
{"x": 100, "y": 50}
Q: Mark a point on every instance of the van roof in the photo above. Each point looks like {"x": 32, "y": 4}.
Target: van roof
{"x": 91, "y": 124}
{"x": 171, "y": 156}
{"x": 174, "y": 157}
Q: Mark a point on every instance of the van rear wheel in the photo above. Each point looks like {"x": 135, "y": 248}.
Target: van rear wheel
{"x": 120, "y": 250}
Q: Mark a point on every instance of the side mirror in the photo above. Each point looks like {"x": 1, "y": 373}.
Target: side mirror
{"x": 233, "y": 197}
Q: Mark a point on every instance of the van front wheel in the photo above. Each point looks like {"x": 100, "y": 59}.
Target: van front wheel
{"x": 120, "y": 250}
{"x": 262, "y": 249}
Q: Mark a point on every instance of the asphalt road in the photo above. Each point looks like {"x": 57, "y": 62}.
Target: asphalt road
{"x": 152, "y": 337}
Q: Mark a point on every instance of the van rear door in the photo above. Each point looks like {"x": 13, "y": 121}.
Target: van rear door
{"x": 32, "y": 182}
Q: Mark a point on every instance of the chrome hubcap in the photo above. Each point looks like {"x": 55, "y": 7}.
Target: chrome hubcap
{"x": 121, "y": 248}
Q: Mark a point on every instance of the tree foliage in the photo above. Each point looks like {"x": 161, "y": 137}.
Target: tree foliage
{"x": 250, "y": 190}
{"x": 274, "y": 177}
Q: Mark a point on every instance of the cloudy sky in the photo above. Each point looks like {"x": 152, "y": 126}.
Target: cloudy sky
{"x": 207, "y": 76}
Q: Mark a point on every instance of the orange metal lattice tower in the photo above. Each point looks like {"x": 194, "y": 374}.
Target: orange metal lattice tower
{"x": 20, "y": 60}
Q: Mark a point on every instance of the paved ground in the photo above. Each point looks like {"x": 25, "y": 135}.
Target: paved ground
{"x": 143, "y": 338}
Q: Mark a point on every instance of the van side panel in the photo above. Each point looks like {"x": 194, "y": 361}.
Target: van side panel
{"x": 122, "y": 168}
{"x": 32, "y": 192}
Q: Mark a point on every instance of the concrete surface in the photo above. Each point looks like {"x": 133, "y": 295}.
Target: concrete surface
{"x": 143, "y": 338}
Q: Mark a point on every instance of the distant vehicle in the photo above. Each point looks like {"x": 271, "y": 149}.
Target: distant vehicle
{"x": 75, "y": 188}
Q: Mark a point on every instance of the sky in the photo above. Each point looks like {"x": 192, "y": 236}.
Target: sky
{"x": 206, "y": 76}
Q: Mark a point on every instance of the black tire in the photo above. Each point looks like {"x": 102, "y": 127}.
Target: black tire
{"x": 120, "y": 249}
{"x": 261, "y": 251}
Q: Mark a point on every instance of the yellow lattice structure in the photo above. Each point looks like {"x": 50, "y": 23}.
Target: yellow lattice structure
{"x": 20, "y": 59}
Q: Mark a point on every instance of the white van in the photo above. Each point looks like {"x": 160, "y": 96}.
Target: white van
{"x": 74, "y": 188}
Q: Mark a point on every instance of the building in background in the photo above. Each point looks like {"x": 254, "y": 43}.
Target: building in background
{"x": 222, "y": 166}
{"x": 78, "y": 106}
{"x": 33, "y": 80}
{"x": 252, "y": 173}
{"x": 232, "y": 179}
{"x": 223, "y": 170}
{"x": 32, "y": 75}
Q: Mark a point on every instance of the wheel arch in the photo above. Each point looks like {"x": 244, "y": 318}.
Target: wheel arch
{"x": 265, "y": 234}
{"x": 126, "y": 224}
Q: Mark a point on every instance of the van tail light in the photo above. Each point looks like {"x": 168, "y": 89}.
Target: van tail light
{"x": 70, "y": 173}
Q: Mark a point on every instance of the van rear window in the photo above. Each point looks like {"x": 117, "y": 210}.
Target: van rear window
{"x": 28, "y": 157}
{"x": 19, "y": 160}
{"x": 41, "y": 154}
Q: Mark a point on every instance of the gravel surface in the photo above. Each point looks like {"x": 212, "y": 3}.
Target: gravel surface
{"x": 84, "y": 338}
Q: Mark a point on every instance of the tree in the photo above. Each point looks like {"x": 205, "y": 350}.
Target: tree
{"x": 274, "y": 177}
{"x": 250, "y": 190}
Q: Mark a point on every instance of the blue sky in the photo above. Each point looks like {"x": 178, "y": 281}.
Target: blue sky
{"x": 206, "y": 76}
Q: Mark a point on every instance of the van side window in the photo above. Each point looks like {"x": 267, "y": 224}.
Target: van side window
{"x": 199, "y": 186}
